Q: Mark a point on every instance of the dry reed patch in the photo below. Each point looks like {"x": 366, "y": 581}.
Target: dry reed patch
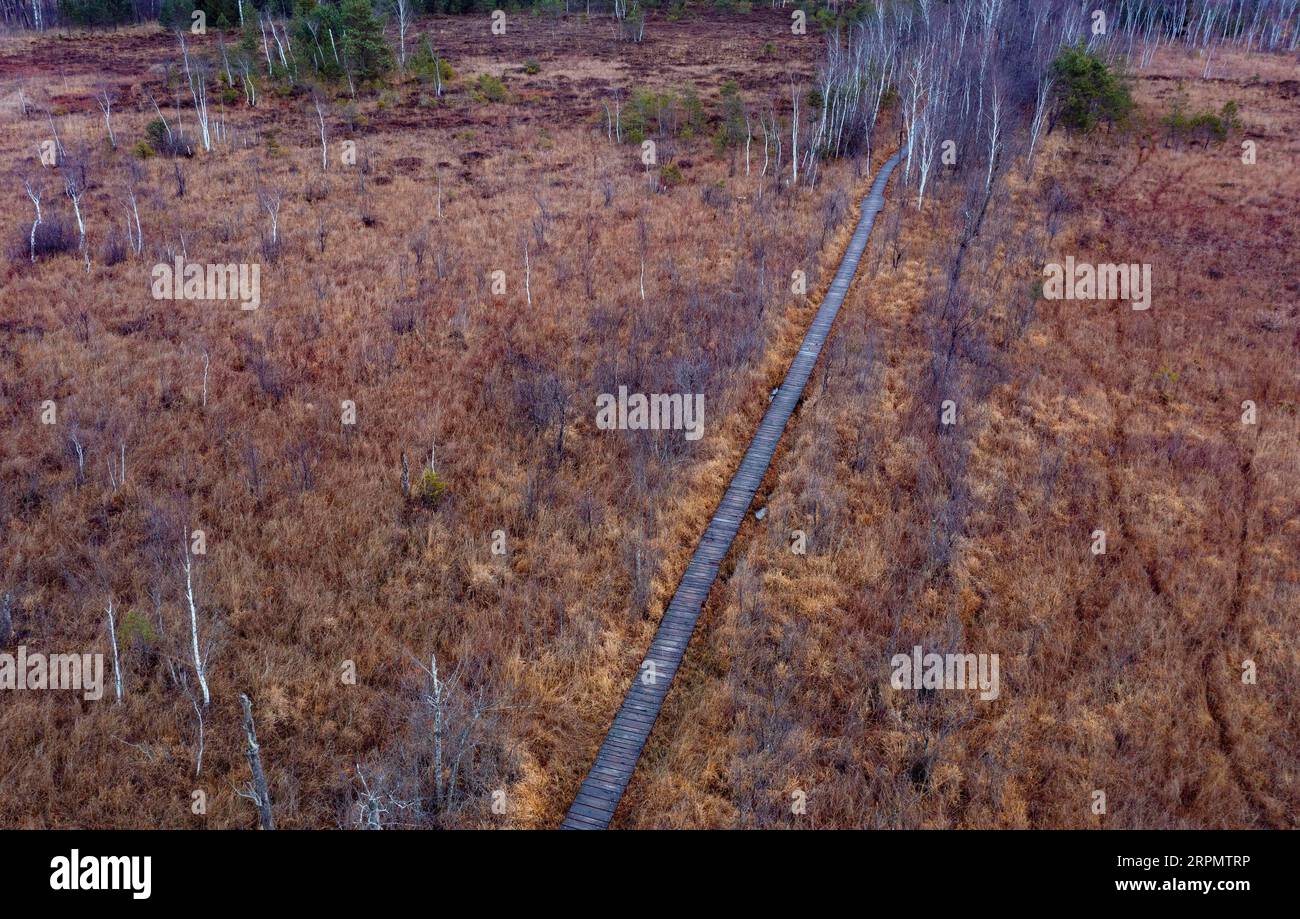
{"x": 1120, "y": 673}
{"x": 315, "y": 558}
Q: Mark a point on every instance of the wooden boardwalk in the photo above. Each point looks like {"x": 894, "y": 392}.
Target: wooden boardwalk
{"x": 616, "y": 760}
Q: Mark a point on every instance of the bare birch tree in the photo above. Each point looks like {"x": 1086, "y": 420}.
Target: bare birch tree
{"x": 134, "y": 235}
{"x": 200, "y": 668}
{"x": 74, "y": 187}
{"x": 320, "y": 118}
{"x": 256, "y": 790}
{"x": 403, "y": 10}
{"x": 196, "y": 76}
{"x": 35, "y": 195}
{"x": 105, "y": 100}
{"x": 112, "y": 640}
{"x": 995, "y": 129}
{"x": 1041, "y": 98}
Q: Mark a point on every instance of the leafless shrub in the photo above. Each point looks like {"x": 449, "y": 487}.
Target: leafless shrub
{"x": 316, "y": 190}
{"x": 114, "y": 249}
{"x": 270, "y": 378}
{"x": 301, "y": 454}
{"x": 1059, "y": 207}
{"x": 54, "y": 235}
{"x": 253, "y": 467}
{"x": 716, "y": 196}
{"x": 403, "y": 315}
{"x": 6, "y": 617}
{"x": 835, "y": 208}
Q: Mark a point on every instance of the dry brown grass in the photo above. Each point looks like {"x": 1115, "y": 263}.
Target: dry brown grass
{"x": 1120, "y": 673}
{"x": 308, "y": 569}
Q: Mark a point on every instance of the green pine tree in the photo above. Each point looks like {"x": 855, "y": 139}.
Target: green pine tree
{"x": 1087, "y": 91}
{"x": 364, "y": 49}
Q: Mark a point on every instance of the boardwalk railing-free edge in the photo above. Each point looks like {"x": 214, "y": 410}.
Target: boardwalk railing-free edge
{"x": 610, "y": 773}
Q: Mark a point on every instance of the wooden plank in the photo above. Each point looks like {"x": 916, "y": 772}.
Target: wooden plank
{"x": 616, "y": 760}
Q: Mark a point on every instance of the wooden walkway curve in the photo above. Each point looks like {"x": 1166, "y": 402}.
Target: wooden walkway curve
{"x": 598, "y": 797}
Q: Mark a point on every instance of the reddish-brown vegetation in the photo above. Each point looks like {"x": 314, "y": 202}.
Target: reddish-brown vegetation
{"x": 376, "y": 296}
{"x": 1120, "y": 673}
{"x": 331, "y": 552}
